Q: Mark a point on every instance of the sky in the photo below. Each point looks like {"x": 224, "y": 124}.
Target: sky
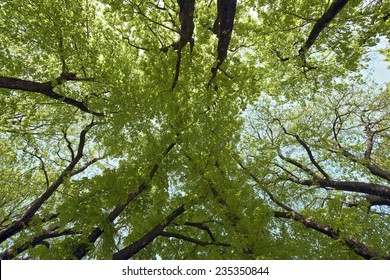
{"x": 379, "y": 68}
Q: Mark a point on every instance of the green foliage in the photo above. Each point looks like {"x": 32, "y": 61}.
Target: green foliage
{"x": 270, "y": 134}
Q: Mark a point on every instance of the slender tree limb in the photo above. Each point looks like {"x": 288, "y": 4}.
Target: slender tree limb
{"x": 43, "y": 166}
{"x": 262, "y": 187}
{"x": 47, "y": 89}
{"x": 81, "y": 169}
{"x": 139, "y": 11}
{"x": 201, "y": 226}
{"x": 26, "y": 218}
{"x": 299, "y": 165}
{"x": 12, "y": 252}
{"x": 372, "y": 167}
{"x": 68, "y": 144}
{"x": 358, "y": 247}
{"x": 84, "y": 248}
{"x": 193, "y": 240}
{"x": 307, "y": 149}
{"x": 132, "y": 249}
{"x": 301, "y": 17}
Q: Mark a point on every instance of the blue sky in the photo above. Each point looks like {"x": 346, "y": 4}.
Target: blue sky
{"x": 379, "y": 68}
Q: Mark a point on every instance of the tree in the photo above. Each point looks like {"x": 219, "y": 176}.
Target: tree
{"x": 193, "y": 130}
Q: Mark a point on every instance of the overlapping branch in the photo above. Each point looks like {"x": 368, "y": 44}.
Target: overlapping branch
{"x": 193, "y": 240}
{"x": 145, "y": 240}
{"x": 321, "y": 23}
{"x": 46, "y": 234}
{"x": 358, "y": 247}
{"x": 325, "y": 181}
{"x": 186, "y": 16}
{"x": 47, "y": 89}
{"x": 84, "y": 248}
{"x": 25, "y": 219}
{"x": 223, "y": 28}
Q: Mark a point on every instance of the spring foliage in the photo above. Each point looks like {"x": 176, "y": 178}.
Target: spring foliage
{"x": 193, "y": 130}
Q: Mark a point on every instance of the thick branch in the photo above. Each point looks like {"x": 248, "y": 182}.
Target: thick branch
{"x": 83, "y": 248}
{"x": 359, "y": 187}
{"x": 350, "y": 186}
{"x": 26, "y": 218}
{"x": 145, "y": 240}
{"x": 46, "y": 89}
{"x": 11, "y": 253}
{"x": 359, "y": 248}
{"x": 223, "y": 28}
{"x": 186, "y": 15}
{"x": 321, "y": 23}
{"x": 373, "y": 200}
{"x": 374, "y": 169}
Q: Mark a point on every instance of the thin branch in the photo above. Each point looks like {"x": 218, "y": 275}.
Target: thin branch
{"x": 201, "y": 226}
{"x": 81, "y": 169}
{"x": 152, "y": 20}
{"x": 358, "y": 247}
{"x": 12, "y": 252}
{"x": 83, "y": 248}
{"x": 26, "y": 218}
{"x": 193, "y": 240}
{"x": 43, "y": 168}
{"x": 308, "y": 150}
{"x": 69, "y": 144}
{"x": 133, "y": 45}
{"x": 301, "y": 17}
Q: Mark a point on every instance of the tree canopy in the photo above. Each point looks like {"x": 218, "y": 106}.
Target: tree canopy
{"x": 193, "y": 130}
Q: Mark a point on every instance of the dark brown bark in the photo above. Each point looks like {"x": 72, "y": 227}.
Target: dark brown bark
{"x": 145, "y": 240}
{"x": 186, "y": 16}
{"x": 351, "y": 186}
{"x": 373, "y": 168}
{"x": 11, "y": 253}
{"x": 26, "y": 218}
{"x": 358, "y": 247}
{"x": 46, "y": 89}
{"x": 321, "y": 23}
{"x": 84, "y": 248}
{"x": 358, "y": 187}
{"x": 187, "y": 8}
{"x": 376, "y": 200}
{"x": 223, "y": 28}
